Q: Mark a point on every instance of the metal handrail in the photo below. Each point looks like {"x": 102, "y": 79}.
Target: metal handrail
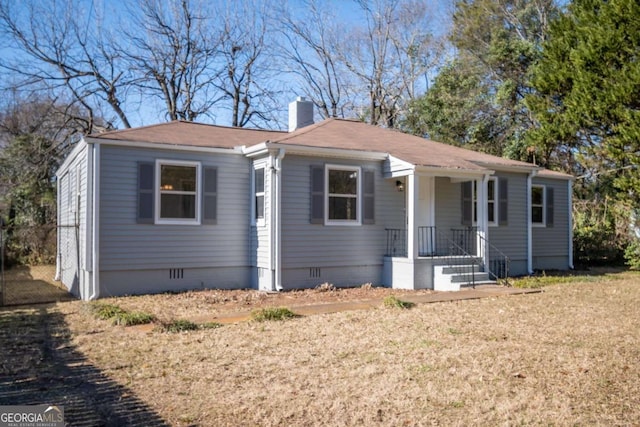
{"x": 498, "y": 262}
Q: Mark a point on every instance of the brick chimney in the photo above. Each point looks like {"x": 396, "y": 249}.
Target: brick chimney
{"x": 300, "y": 113}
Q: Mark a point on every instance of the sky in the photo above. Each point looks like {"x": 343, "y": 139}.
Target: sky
{"x": 144, "y": 112}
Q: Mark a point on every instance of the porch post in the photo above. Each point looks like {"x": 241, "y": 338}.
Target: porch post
{"x": 412, "y": 204}
{"x": 483, "y": 215}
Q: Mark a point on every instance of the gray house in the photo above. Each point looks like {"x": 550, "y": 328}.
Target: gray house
{"x": 181, "y": 205}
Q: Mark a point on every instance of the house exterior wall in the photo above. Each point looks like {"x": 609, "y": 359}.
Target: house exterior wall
{"x": 511, "y": 238}
{"x": 342, "y": 255}
{"x": 137, "y": 258}
{"x": 448, "y": 205}
{"x": 261, "y": 231}
{"x": 550, "y": 244}
{"x": 73, "y": 258}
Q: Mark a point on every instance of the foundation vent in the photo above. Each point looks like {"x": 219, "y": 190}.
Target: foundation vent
{"x": 314, "y": 272}
{"x": 176, "y": 273}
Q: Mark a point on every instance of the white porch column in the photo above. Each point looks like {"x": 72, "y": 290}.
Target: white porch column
{"x": 483, "y": 215}
{"x": 412, "y": 205}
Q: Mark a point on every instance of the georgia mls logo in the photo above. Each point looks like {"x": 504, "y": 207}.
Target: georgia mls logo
{"x": 32, "y": 416}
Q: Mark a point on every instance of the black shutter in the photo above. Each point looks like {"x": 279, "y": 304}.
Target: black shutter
{"x": 549, "y": 206}
{"x": 145, "y": 192}
{"x": 317, "y": 195}
{"x": 467, "y": 203}
{"x": 209, "y": 195}
{"x": 368, "y": 197}
{"x": 503, "y": 201}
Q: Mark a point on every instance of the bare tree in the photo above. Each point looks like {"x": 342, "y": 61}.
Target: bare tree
{"x": 311, "y": 50}
{"x": 391, "y": 54}
{"x": 54, "y": 52}
{"x": 172, "y": 49}
{"x": 245, "y": 75}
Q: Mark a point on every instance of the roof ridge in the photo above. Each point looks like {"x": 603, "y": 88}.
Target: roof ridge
{"x": 186, "y": 122}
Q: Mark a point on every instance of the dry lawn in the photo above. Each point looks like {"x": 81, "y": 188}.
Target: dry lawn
{"x": 567, "y": 356}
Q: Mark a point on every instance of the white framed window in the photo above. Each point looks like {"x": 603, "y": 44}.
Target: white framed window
{"x": 538, "y": 208}
{"x": 342, "y": 195}
{"x": 259, "y": 203}
{"x": 492, "y": 202}
{"x": 178, "y": 192}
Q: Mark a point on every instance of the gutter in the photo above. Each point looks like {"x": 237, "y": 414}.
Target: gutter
{"x": 529, "y": 224}
{"x": 570, "y": 214}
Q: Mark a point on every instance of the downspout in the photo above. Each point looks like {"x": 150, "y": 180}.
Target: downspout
{"x": 570, "y": 214}
{"x": 95, "y": 223}
{"x": 483, "y": 215}
{"x": 276, "y": 220}
{"x": 529, "y": 225}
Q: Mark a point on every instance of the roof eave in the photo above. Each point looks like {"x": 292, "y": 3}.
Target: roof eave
{"x": 163, "y": 146}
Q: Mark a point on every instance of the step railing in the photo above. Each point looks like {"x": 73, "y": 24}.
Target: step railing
{"x": 396, "y": 242}
{"x": 457, "y": 251}
{"x": 498, "y": 262}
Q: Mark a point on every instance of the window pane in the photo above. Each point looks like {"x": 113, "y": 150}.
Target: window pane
{"x": 259, "y": 178}
{"x": 536, "y": 195}
{"x": 259, "y": 206}
{"x": 177, "y": 178}
{"x": 492, "y": 216}
{"x": 343, "y": 182}
{"x": 536, "y": 214}
{"x": 179, "y": 206}
{"x": 343, "y": 208}
{"x": 491, "y": 190}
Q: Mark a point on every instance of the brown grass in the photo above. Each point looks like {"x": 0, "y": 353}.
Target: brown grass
{"x": 567, "y": 356}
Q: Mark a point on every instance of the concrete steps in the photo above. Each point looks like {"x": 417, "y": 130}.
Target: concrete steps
{"x": 452, "y": 277}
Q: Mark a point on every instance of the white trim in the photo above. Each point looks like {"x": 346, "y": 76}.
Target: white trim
{"x": 259, "y": 222}
{"x": 163, "y": 146}
{"x": 544, "y": 206}
{"x": 265, "y": 147}
{"x": 157, "y": 193}
{"x": 276, "y": 219}
{"x": 71, "y": 157}
{"x": 95, "y": 226}
{"x": 529, "y": 225}
{"x": 474, "y": 198}
{"x": 507, "y": 168}
{"x": 327, "y": 195}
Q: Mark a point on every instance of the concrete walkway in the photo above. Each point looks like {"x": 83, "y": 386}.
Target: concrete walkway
{"x": 481, "y": 291}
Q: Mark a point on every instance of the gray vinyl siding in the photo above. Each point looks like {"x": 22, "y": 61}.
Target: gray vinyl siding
{"x": 551, "y": 244}
{"x": 511, "y": 239}
{"x": 73, "y": 245}
{"x": 126, "y": 245}
{"x": 263, "y": 231}
{"x": 448, "y": 206}
{"x": 307, "y": 246}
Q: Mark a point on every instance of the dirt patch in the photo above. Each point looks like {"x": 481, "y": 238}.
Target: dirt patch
{"x": 210, "y": 303}
{"x": 566, "y": 356}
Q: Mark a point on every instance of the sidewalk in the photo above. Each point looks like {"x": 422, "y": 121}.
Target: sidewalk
{"x": 480, "y": 291}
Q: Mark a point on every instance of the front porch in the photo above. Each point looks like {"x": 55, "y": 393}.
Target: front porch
{"x": 445, "y": 261}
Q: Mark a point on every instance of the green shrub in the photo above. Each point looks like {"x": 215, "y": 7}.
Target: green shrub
{"x": 132, "y": 318}
{"x": 272, "y": 313}
{"x": 632, "y": 254}
{"x": 119, "y": 316}
{"x": 181, "y": 325}
{"x": 105, "y": 311}
{"x": 393, "y": 302}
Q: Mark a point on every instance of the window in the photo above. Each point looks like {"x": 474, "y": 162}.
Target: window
{"x": 537, "y": 205}
{"x": 342, "y": 195}
{"x": 258, "y": 182}
{"x": 177, "y": 185}
{"x": 492, "y": 204}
